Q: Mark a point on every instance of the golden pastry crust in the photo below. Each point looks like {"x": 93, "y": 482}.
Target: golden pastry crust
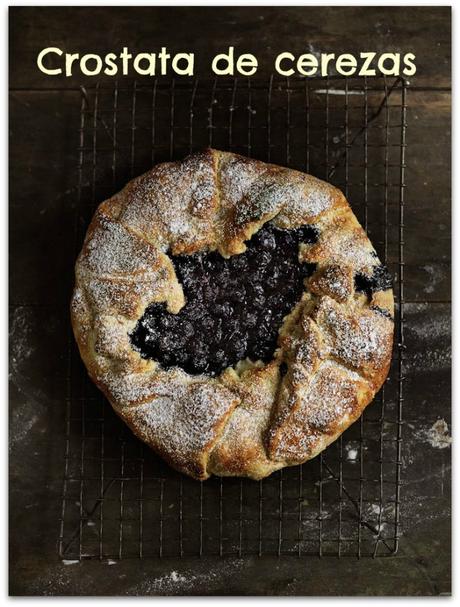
{"x": 252, "y": 419}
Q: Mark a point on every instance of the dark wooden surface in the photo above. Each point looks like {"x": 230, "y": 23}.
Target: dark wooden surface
{"x": 43, "y": 130}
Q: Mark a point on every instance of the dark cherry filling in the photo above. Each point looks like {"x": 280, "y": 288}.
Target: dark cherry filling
{"x": 382, "y": 311}
{"x": 379, "y": 281}
{"x": 234, "y": 307}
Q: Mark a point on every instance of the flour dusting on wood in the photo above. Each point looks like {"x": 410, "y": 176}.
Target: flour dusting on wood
{"x": 185, "y": 581}
{"x": 437, "y": 435}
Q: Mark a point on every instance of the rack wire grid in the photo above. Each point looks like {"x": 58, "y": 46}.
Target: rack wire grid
{"x": 119, "y": 499}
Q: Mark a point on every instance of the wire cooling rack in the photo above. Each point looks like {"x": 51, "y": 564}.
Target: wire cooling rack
{"x": 119, "y": 499}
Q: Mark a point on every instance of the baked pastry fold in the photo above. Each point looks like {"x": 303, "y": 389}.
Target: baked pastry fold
{"x": 334, "y": 347}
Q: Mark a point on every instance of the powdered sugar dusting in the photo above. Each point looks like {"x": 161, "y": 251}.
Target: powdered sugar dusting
{"x": 262, "y": 199}
{"x": 359, "y": 339}
{"x": 331, "y": 396}
{"x": 294, "y": 198}
{"x": 344, "y": 243}
{"x": 112, "y": 250}
{"x": 111, "y": 337}
{"x": 305, "y": 198}
{"x": 318, "y": 407}
{"x": 172, "y": 205}
{"x": 202, "y": 191}
{"x": 363, "y": 342}
{"x": 237, "y": 174}
{"x": 335, "y": 281}
{"x": 124, "y": 296}
{"x": 184, "y": 420}
{"x": 129, "y": 389}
